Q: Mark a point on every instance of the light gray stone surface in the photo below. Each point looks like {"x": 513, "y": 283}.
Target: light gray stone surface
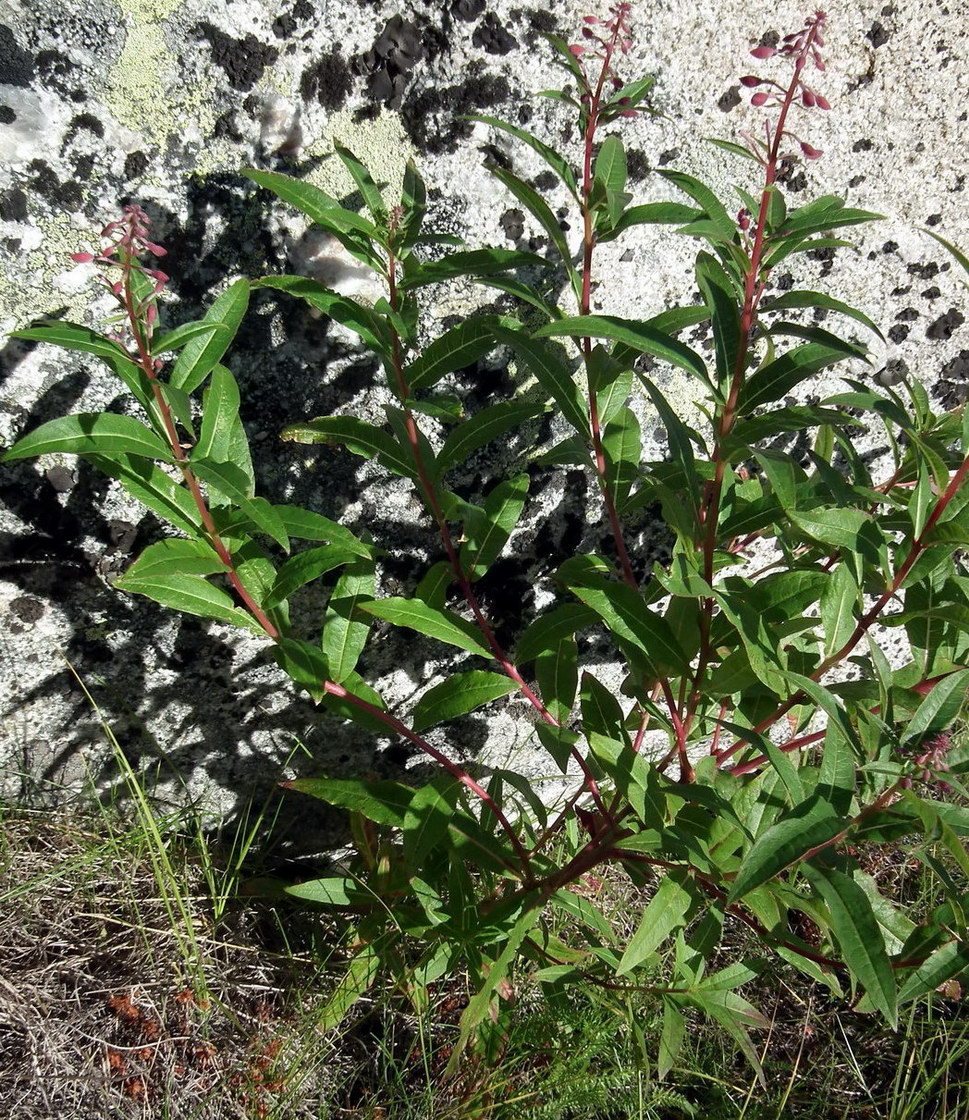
{"x": 165, "y": 101}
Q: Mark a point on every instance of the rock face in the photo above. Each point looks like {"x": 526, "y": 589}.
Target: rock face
{"x": 166, "y": 101}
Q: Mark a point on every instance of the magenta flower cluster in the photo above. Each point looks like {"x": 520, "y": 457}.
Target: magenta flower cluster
{"x": 798, "y": 46}
{"x": 129, "y": 239}
{"x": 602, "y": 38}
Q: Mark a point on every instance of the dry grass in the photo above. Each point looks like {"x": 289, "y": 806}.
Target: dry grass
{"x": 108, "y": 1007}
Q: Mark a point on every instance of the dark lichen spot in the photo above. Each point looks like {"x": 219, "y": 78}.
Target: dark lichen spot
{"x": 395, "y": 52}
{"x": 877, "y": 35}
{"x": 637, "y": 166}
{"x": 135, "y": 165}
{"x": 856, "y": 180}
{"x": 862, "y": 146}
{"x": 7, "y": 115}
{"x": 898, "y": 333}
{"x": 468, "y": 9}
{"x": 27, "y": 608}
{"x": 946, "y": 325}
{"x": 907, "y": 315}
{"x": 86, "y": 121}
{"x": 890, "y": 247}
{"x": 893, "y": 373}
{"x": 933, "y": 219}
{"x": 932, "y": 293}
{"x": 668, "y": 156}
{"x": 329, "y": 80}
{"x": 62, "y": 196}
{"x": 13, "y": 205}
{"x": 83, "y": 167}
{"x": 729, "y": 99}
{"x": 243, "y": 60}
{"x": 545, "y": 181}
{"x": 431, "y": 118}
{"x": 492, "y": 36}
{"x": 16, "y": 64}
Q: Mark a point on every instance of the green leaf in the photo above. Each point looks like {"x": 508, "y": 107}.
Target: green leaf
{"x": 176, "y": 338}
{"x": 841, "y": 528}
{"x": 458, "y": 695}
{"x": 939, "y": 708}
{"x": 200, "y": 354}
{"x": 91, "y": 433}
{"x": 703, "y": 196}
{"x": 602, "y": 713}
{"x": 609, "y": 176}
{"x": 233, "y": 483}
{"x": 552, "y": 373}
{"x": 357, "y": 436}
{"x": 650, "y": 213}
{"x": 70, "y": 336}
{"x": 671, "y": 1039}
{"x": 639, "y": 336}
{"x": 350, "y": 314}
{"x": 669, "y": 910}
{"x": 219, "y": 414}
{"x": 316, "y": 204}
{"x": 839, "y": 601}
{"x": 779, "y": 377}
{"x": 383, "y": 802}
{"x": 622, "y": 447}
{"x": 345, "y": 633}
{"x": 556, "y": 162}
{"x": 361, "y": 176}
{"x": 474, "y": 262}
{"x": 303, "y": 568}
{"x": 556, "y": 671}
{"x": 457, "y": 348}
{"x": 191, "y": 594}
{"x": 804, "y": 828}
{"x": 539, "y": 208}
{"x": 192, "y": 557}
{"x": 549, "y": 629}
{"x": 645, "y": 637}
{"x": 309, "y": 526}
{"x": 445, "y": 626}
{"x": 818, "y": 299}
{"x": 721, "y": 297}
{"x": 947, "y": 961}
{"x": 856, "y": 928}
{"x": 482, "y": 428}
{"x": 153, "y": 488}
{"x": 488, "y": 531}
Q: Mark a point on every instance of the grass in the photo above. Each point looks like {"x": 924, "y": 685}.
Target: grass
{"x": 139, "y": 981}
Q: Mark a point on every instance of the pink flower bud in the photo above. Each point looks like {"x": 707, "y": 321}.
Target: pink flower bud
{"x": 157, "y": 250}
{"x": 760, "y": 99}
{"x": 821, "y": 102}
{"x": 810, "y": 152}
{"x": 590, "y": 19}
{"x": 118, "y": 288}
{"x": 587, "y": 33}
{"x": 808, "y": 99}
{"x": 576, "y": 50}
{"x": 82, "y": 258}
{"x": 751, "y": 80}
{"x": 151, "y": 315}
{"x": 763, "y": 52}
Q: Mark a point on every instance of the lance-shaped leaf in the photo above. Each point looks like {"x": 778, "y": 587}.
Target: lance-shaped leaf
{"x": 609, "y": 178}
{"x": 779, "y": 377}
{"x": 650, "y": 213}
{"x": 703, "y": 196}
{"x": 939, "y": 708}
{"x": 220, "y": 412}
{"x": 361, "y": 176}
{"x": 153, "y": 488}
{"x": 812, "y": 823}
{"x": 233, "y": 484}
{"x": 200, "y": 354}
{"x": 383, "y": 802}
{"x": 192, "y": 557}
{"x": 556, "y": 671}
{"x": 315, "y": 203}
{"x": 669, "y": 910}
{"x": 71, "y": 336}
{"x": 482, "y": 428}
{"x": 191, "y": 594}
{"x": 721, "y": 297}
{"x": 645, "y": 637}
{"x": 855, "y": 926}
{"x": 303, "y": 568}
{"x": 799, "y": 298}
{"x": 445, "y": 626}
{"x": 951, "y": 959}
{"x": 91, "y": 433}
{"x": 839, "y": 601}
{"x": 474, "y": 262}
{"x": 345, "y": 630}
{"x": 549, "y": 629}
{"x": 178, "y": 336}
{"x": 309, "y": 526}
{"x": 357, "y": 436}
{"x": 551, "y": 371}
{"x": 458, "y": 695}
{"x": 457, "y": 348}
{"x": 622, "y": 446}
{"x": 350, "y": 314}
{"x": 487, "y": 530}
{"x": 641, "y": 337}
{"x": 556, "y": 162}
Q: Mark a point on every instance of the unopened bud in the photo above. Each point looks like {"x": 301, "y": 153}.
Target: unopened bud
{"x": 821, "y": 102}
{"x": 82, "y": 258}
{"x": 751, "y": 80}
{"x": 576, "y": 50}
{"x": 763, "y": 52}
{"x": 760, "y": 99}
{"x": 810, "y": 152}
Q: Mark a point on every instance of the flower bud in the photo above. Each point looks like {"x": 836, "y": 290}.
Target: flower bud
{"x": 763, "y": 52}
{"x": 760, "y": 99}
{"x": 751, "y": 80}
{"x": 82, "y": 258}
{"x": 808, "y": 100}
{"x": 821, "y": 102}
{"x": 810, "y": 152}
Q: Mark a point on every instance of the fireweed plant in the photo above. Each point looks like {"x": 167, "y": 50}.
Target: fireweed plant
{"x": 793, "y": 746}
